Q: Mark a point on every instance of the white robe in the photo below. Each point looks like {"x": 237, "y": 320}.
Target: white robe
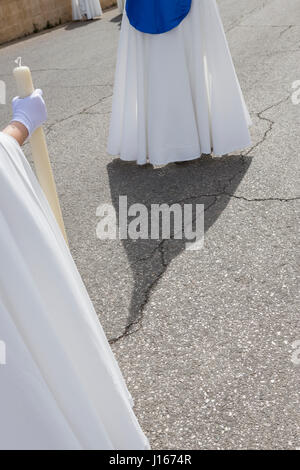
{"x": 60, "y": 386}
{"x": 121, "y": 5}
{"x": 86, "y": 8}
{"x": 176, "y": 95}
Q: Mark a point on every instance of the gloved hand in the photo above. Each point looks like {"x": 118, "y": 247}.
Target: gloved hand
{"x": 30, "y": 111}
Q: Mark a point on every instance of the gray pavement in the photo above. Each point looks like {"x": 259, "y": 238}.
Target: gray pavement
{"x": 204, "y": 338}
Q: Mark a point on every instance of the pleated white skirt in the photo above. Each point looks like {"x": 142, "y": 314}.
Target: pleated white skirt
{"x": 177, "y": 95}
{"x": 60, "y": 386}
{"x": 90, "y": 8}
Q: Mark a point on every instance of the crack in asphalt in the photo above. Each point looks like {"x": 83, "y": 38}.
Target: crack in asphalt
{"x": 269, "y": 121}
{"x": 92, "y": 85}
{"x": 50, "y": 127}
{"x": 50, "y": 69}
{"x": 285, "y": 30}
{"x": 267, "y": 199}
{"x": 238, "y": 22}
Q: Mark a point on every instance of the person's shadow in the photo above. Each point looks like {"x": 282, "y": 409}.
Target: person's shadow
{"x": 208, "y": 181}
{"x": 80, "y": 24}
{"x": 117, "y": 19}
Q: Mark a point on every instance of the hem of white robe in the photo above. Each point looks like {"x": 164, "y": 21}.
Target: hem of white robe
{"x": 216, "y": 150}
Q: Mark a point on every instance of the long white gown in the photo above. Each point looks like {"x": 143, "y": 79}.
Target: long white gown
{"x": 61, "y": 387}
{"x": 177, "y": 95}
{"x": 88, "y": 9}
{"x": 121, "y": 5}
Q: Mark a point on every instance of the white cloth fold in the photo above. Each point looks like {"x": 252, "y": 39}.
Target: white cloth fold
{"x": 88, "y": 9}
{"x": 176, "y": 95}
{"x": 61, "y": 387}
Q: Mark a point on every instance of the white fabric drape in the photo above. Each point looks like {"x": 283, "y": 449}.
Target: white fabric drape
{"x": 61, "y": 387}
{"x": 176, "y": 94}
{"x": 86, "y": 8}
{"x": 121, "y": 5}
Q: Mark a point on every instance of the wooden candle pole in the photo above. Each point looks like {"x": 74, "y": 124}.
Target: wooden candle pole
{"x": 39, "y": 150}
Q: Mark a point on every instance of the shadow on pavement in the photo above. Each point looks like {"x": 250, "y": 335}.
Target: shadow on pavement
{"x": 208, "y": 181}
{"x": 80, "y": 24}
{"x": 117, "y": 19}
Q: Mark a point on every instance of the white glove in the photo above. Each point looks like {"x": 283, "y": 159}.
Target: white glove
{"x": 30, "y": 111}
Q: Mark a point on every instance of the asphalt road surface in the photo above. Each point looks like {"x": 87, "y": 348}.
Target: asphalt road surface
{"x": 204, "y": 338}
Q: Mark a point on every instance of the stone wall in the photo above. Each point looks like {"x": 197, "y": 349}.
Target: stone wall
{"x": 107, "y": 3}
{"x": 19, "y": 18}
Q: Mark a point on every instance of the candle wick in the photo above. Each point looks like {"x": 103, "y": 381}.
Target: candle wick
{"x": 18, "y": 61}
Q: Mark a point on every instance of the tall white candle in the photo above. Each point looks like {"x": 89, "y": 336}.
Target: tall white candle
{"x": 39, "y": 150}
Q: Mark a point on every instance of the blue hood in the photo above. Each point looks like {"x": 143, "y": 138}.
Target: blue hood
{"x": 156, "y": 16}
